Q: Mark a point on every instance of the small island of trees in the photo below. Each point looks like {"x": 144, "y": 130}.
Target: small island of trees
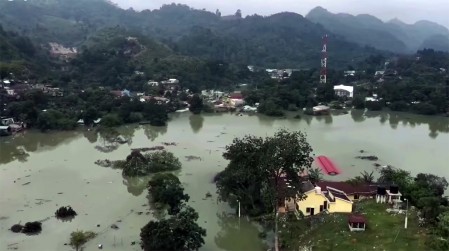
{"x": 138, "y": 164}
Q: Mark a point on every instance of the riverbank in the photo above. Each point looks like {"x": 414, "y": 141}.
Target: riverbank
{"x": 407, "y": 116}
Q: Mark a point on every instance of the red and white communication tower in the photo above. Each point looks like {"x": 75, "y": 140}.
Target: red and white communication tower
{"x": 323, "y": 72}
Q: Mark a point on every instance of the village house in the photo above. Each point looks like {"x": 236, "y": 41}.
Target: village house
{"x": 152, "y": 83}
{"x": 17, "y": 89}
{"x": 332, "y": 197}
{"x": 9, "y": 125}
{"x": 170, "y": 84}
{"x": 353, "y": 191}
{"x": 212, "y": 94}
{"x": 5, "y": 130}
{"x": 349, "y": 73}
{"x": 160, "y": 100}
{"x": 344, "y": 91}
{"x": 119, "y": 94}
{"x": 236, "y": 99}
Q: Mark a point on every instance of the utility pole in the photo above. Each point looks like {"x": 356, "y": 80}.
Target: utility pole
{"x": 323, "y": 72}
{"x": 239, "y": 207}
{"x": 406, "y": 215}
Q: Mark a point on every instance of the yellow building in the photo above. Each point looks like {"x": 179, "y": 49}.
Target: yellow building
{"x": 318, "y": 200}
{"x": 332, "y": 197}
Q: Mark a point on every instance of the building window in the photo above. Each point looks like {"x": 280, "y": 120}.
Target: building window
{"x": 308, "y": 210}
{"x": 356, "y": 196}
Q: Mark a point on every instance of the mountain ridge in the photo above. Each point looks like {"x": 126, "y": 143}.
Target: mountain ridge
{"x": 393, "y": 35}
{"x": 280, "y": 40}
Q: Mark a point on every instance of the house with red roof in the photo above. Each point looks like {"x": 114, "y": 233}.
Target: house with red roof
{"x": 329, "y": 196}
{"x": 353, "y": 191}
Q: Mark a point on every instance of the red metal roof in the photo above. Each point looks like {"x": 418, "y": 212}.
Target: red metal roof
{"x": 348, "y": 188}
{"x": 236, "y": 96}
{"x": 327, "y": 165}
{"x": 356, "y": 218}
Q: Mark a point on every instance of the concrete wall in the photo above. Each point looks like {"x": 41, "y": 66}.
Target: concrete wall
{"x": 313, "y": 200}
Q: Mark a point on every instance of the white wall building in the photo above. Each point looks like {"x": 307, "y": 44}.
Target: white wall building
{"x": 344, "y": 91}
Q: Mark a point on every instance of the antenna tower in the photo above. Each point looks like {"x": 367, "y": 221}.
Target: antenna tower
{"x": 323, "y": 72}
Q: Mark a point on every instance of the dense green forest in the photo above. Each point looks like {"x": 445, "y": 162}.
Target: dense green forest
{"x": 20, "y": 56}
{"x": 282, "y": 40}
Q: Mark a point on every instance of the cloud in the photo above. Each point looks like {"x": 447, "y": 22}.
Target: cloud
{"x": 408, "y": 11}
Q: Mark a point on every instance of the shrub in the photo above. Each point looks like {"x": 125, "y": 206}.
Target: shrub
{"x": 32, "y": 227}
{"x": 65, "y": 212}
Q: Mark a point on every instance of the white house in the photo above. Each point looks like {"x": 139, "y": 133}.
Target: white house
{"x": 379, "y": 73}
{"x": 171, "y": 81}
{"x": 349, "y": 73}
{"x": 344, "y": 91}
{"x": 153, "y": 83}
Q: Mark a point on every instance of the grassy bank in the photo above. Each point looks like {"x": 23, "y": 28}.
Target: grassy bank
{"x": 330, "y": 232}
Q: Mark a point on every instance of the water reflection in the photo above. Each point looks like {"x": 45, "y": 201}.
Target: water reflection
{"x": 108, "y": 140}
{"x": 19, "y": 146}
{"x": 383, "y": 118}
{"x": 91, "y": 136}
{"x": 152, "y": 132}
{"x": 436, "y": 124}
{"x": 136, "y": 185}
{"x": 232, "y": 229}
{"x": 328, "y": 119}
{"x": 196, "y": 122}
{"x": 127, "y": 132}
{"x": 358, "y": 115}
{"x": 265, "y": 120}
{"x": 394, "y": 120}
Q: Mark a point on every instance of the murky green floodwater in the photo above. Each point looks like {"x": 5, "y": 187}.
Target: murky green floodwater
{"x": 60, "y": 170}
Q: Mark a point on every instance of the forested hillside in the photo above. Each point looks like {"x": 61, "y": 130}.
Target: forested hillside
{"x": 19, "y": 55}
{"x": 280, "y": 40}
{"x": 395, "y": 35}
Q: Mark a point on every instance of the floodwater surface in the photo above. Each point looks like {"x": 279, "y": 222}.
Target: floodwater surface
{"x": 41, "y": 172}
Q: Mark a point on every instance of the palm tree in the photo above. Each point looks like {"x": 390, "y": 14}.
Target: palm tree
{"x": 315, "y": 175}
{"x": 367, "y": 177}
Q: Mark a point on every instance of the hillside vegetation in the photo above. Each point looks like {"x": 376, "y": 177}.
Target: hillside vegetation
{"x": 280, "y": 40}
{"x": 394, "y": 35}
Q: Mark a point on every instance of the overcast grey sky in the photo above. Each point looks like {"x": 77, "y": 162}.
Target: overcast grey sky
{"x": 408, "y": 11}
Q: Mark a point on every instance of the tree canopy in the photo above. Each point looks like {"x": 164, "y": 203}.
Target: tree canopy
{"x": 166, "y": 189}
{"x": 180, "y": 232}
{"x": 256, "y": 165}
{"x": 79, "y": 238}
{"x": 138, "y": 164}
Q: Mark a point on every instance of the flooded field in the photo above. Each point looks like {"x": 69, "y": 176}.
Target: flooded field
{"x": 41, "y": 172}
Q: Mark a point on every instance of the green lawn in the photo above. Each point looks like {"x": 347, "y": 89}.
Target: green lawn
{"x": 384, "y": 232}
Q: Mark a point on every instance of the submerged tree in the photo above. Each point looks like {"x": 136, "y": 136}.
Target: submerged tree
{"x": 79, "y": 238}
{"x": 137, "y": 164}
{"x": 65, "y": 212}
{"x": 180, "y": 232}
{"x": 196, "y": 104}
{"x": 162, "y": 161}
{"x": 165, "y": 188}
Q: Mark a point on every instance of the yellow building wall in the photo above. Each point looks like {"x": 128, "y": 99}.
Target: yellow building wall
{"x": 340, "y": 206}
{"x": 312, "y": 200}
